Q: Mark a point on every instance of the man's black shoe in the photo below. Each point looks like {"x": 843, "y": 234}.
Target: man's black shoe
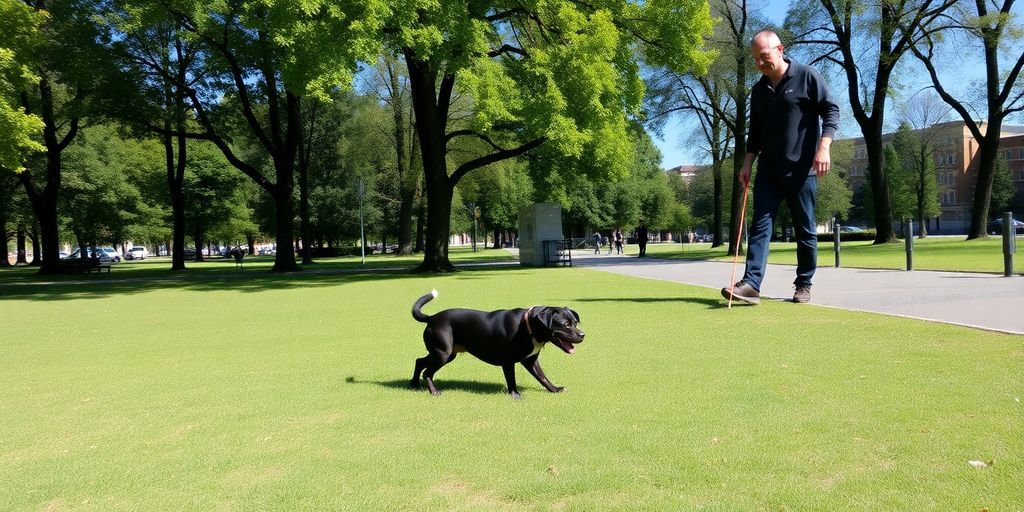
{"x": 802, "y": 294}
{"x": 743, "y": 292}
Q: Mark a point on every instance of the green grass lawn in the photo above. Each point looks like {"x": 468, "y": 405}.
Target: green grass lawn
{"x": 251, "y": 391}
{"x": 933, "y": 253}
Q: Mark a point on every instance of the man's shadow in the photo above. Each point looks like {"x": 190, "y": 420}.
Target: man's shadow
{"x": 709, "y": 303}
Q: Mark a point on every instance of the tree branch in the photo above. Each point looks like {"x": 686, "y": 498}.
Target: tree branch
{"x": 492, "y": 158}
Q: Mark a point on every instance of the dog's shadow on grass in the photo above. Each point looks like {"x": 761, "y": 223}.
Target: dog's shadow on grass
{"x": 709, "y": 303}
{"x": 471, "y": 386}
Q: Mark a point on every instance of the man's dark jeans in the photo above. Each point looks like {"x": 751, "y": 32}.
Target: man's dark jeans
{"x": 800, "y": 194}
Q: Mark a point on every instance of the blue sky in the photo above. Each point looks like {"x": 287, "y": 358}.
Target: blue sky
{"x": 677, "y": 151}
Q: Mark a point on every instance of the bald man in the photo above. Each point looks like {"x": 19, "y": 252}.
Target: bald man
{"x": 792, "y": 152}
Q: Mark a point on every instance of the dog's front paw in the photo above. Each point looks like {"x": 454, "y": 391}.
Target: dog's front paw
{"x": 516, "y": 395}
{"x": 557, "y": 389}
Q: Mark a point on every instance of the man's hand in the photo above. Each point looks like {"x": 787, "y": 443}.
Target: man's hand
{"x": 745, "y": 176}
{"x": 745, "y": 171}
{"x": 823, "y": 157}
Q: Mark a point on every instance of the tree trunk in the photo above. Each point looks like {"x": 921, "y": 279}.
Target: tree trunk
{"x": 717, "y": 210}
{"x": 4, "y": 260}
{"x": 284, "y": 260}
{"x": 304, "y": 226}
{"x": 44, "y": 201}
{"x": 21, "y": 248}
{"x": 988, "y": 150}
{"x": 739, "y": 154}
{"x": 421, "y": 220}
{"x": 175, "y": 184}
{"x": 430, "y": 123}
{"x": 37, "y": 256}
{"x": 407, "y": 188}
{"x": 872, "y": 131}
{"x": 197, "y": 237}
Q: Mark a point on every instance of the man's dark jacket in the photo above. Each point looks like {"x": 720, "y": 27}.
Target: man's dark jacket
{"x": 784, "y": 128}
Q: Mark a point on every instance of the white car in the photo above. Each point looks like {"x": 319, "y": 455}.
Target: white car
{"x": 136, "y": 253}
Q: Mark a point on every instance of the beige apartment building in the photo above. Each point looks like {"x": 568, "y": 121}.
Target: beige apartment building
{"x": 956, "y": 168}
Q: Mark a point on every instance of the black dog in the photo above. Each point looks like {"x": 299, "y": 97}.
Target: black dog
{"x": 502, "y": 338}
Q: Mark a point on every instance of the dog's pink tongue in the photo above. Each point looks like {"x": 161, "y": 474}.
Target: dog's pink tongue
{"x": 572, "y": 349}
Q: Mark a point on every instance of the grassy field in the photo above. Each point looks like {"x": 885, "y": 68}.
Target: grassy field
{"x": 933, "y": 253}
{"x": 248, "y": 391}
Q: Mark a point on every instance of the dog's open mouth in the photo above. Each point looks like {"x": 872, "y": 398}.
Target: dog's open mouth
{"x": 564, "y": 345}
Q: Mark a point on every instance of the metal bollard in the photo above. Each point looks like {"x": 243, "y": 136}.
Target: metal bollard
{"x": 1009, "y": 243}
{"x": 908, "y": 237}
{"x": 835, "y": 241}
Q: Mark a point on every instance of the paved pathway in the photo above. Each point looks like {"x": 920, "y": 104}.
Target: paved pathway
{"x": 987, "y": 301}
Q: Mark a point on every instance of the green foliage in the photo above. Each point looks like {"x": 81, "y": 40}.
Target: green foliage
{"x": 1002, "y": 189}
{"x": 102, "y": 196}
{"x": 834, "y": 194}
{"x": 834, "y": 198}
{"x": 901, "y": 196}
{"x": 910, "y": 172}
{"x": 215, "y": 196}
{"x": 500, "y": 191}
{"x": 574, "y": 77}
{"x": 18, "y": 130}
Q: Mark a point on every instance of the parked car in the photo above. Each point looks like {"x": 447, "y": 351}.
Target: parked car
{"x": 136, "y": 253}
{"x": 103, "y": 253}
{"x": 996, "y": 227}
{"x": 850, "y": 229}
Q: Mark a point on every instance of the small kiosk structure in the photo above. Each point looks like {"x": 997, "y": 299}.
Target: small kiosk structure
{"x": 540, "y": 236}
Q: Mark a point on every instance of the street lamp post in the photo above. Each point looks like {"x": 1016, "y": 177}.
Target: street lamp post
{"x": 361, "y": 190}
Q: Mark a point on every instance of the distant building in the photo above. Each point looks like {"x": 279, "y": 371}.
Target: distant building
{"x": 956, "y": 169}
{"x": 687, "y": 172}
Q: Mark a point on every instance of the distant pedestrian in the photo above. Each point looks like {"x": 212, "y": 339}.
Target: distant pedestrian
{"x": 641, "y": 238}
{"x": 618, "y": 240}
{"x": 597, "y": 242}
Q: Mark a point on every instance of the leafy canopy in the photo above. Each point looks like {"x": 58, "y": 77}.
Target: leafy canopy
{"x": 558, "y": 70}
{"x": 18, "y": 130}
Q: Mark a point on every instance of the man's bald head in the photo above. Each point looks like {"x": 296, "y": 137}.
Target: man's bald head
{"x": 767, "y": 38}
{"x": 766, "y": 50}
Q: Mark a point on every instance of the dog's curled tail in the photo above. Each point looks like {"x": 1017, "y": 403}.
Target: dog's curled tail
{"x": 416, "y": 313}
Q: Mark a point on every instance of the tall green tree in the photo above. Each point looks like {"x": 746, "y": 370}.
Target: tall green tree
{"x": 161, "y": 62}
{"x": 866, "y": 41}
{"x": 261, "y": 59}
{"x": 899, "y": 171}
{"x": 923, "y": 112}
{"x": 834, "y": 195}
{"x": 994, "y": 26}
{"x": 916, "y": 188}
{"x": 215, "y": 197}
{"x": 1002, "y": 188}
{"x": 559, "y": 75}
{"x": 71, "y": 68}
{"x": 102, "y": 199}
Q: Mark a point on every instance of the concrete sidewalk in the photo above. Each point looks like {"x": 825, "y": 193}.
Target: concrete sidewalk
{"x": 986, "y": 301}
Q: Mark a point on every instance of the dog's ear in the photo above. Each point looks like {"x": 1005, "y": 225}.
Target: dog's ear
{"x": 574, "y": 314}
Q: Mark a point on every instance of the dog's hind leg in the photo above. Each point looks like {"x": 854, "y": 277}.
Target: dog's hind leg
{"x": 434, "y": 363}
{"x": 532, "y": 365}
{"x": 421, "y": 363}
{"x": 510, "y": 380}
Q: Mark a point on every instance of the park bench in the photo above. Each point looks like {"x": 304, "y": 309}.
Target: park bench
{"x": 86, "y": 265}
